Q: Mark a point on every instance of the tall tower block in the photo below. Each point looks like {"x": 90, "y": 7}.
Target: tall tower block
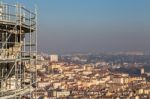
{"x": 142, "y": 71}
{"x": 54, "y": 58}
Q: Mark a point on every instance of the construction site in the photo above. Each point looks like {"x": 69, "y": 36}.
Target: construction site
{"x": 18, "y": 50}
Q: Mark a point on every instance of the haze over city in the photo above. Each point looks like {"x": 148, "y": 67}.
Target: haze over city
{"x": 69, "y": 26}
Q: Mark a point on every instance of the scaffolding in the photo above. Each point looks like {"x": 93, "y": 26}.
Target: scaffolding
{"x": 18, "y": 48}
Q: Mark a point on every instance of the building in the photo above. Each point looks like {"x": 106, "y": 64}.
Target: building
{"x": 60, "y": 94}
{"x": 120, "y": 80}
{"x": 53, "y": 58}
{"x": 142, "y": 71}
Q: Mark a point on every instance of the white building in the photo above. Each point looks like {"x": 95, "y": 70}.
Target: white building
{"x": 142, "y": 71}
{"x": 54, "y": 58}
{"x": 42, "y": 84}
{"x": 120, "y": 80}
{"x": 59, "y": 94}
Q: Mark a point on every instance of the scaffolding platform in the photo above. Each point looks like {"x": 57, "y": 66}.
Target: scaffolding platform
{"x": 18, "y": 51}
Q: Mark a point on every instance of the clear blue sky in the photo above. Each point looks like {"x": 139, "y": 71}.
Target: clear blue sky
{"x": 68, "y": 26}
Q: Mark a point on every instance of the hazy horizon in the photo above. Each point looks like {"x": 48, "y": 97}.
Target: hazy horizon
{"x": 72, "y": 26}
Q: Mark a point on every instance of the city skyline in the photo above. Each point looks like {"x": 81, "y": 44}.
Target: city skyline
{"x": 92, "y": 25}
{"x": 74, "y": 49}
